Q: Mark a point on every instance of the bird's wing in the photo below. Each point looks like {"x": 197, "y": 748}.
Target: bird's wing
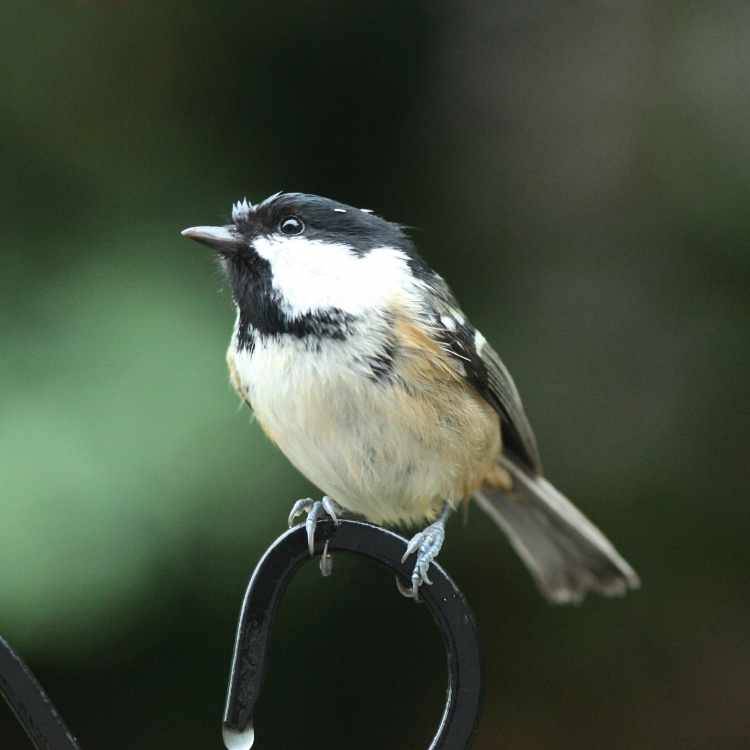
{"x": 483, "y": 368}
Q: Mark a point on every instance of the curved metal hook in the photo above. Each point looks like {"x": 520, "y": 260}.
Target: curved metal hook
{"x": 30, "y": 704}
{"x": 267, "y": 585}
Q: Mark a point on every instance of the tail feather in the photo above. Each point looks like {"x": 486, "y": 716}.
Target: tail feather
{"x": 567, "y": 555}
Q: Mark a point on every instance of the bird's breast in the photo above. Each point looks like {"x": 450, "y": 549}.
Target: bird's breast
{"x": 380, "y": 449}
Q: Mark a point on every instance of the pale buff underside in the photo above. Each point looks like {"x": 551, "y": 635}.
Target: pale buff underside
{"x": 381, "y": 451}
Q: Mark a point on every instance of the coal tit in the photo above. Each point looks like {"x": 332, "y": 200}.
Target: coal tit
{"x": 359, "y": 364}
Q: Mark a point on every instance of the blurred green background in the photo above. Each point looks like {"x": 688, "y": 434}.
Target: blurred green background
{"x": 580, "y": 172}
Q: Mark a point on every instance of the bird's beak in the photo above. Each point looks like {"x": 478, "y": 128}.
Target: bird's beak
{"x": 221, "y": 239}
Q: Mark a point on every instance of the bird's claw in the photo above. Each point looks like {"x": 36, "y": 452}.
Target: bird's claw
{"x": 427, "y": 545}
{"x": 314, "y": 509}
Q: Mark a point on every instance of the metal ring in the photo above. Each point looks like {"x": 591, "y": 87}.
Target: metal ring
{"x": 267, "y": 585}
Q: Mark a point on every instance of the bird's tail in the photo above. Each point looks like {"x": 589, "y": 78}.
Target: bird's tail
{"x": 567, "y": 555}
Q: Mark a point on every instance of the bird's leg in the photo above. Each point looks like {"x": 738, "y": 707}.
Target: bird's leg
{"x": 427, "y": 545}
{"x": 314, "y": 509}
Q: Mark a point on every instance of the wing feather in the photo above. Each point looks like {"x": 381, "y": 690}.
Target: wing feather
{"x": 485, "y": 370}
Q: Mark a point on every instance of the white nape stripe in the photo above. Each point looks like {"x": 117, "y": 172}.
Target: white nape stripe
{"x": 312, "y": 275}
{"x": 339, "y": 210}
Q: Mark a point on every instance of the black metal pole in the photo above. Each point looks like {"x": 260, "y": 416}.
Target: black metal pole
{"x": 30, "y": 704}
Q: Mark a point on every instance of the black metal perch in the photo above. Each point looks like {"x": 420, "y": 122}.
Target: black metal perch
{"x": 47, "y": 730}
{"x": 267, "y": 585}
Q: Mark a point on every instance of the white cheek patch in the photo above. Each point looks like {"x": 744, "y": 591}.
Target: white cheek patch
{"x": 312, "y": 275}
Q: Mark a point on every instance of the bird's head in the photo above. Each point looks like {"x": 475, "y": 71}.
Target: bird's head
{"x": 296, "y": 255}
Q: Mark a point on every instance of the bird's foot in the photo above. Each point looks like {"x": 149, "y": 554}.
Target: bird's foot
{"x": 427, "y": 544}
{"x": 314, "y": 509}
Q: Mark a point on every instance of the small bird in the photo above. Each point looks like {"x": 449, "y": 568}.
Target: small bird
{"x": 358, "y": 362}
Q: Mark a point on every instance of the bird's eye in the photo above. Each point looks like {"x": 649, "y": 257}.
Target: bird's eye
{"x": 291, "y": 225}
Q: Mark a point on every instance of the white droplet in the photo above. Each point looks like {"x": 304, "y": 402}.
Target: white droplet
{"x": 234, "y": 740}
